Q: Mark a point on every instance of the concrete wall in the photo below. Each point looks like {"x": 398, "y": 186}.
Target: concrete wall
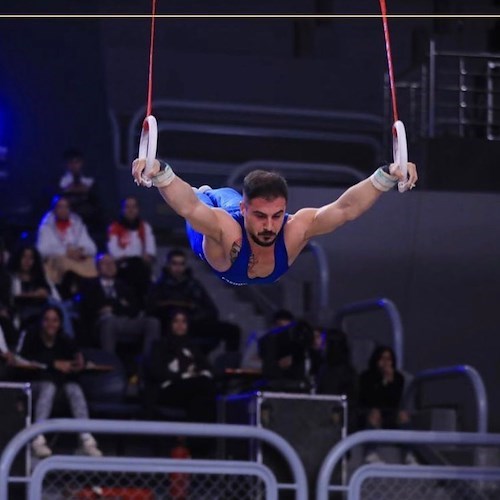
{"x": 436, "y": 256}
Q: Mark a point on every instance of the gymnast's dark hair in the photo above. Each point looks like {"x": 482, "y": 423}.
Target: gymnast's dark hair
{"x": 264, "y": 184}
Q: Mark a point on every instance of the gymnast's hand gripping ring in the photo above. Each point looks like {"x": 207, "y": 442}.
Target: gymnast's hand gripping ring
{"x": 400, "y": 152}
{"x": 147, "y": 147}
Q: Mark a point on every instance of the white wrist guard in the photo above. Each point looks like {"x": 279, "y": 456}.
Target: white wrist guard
{"x": 382, "y": 180}
{"x": 164, "y": 177}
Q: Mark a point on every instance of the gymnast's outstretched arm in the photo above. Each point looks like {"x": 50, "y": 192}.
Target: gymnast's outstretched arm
{"x": 351, "y": 204}
{"x": 180, "y": 196}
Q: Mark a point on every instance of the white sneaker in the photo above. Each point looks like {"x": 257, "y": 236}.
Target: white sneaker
{"x": 40, "y": 448}
{"x": 89, "y": 447}
{"x": 373, "y": 458}
{"x": 204, "y": 188}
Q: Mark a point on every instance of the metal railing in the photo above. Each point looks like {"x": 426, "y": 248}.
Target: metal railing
{"x": 299, "y": 484}
{"x": 160, "y": 467}
{"x": 464, "y": 88}
{"x": 335, "y": 456}
{"x": 392, "y": 312}
{"x": 470, "y": 373}
{"x": 268, "y": 121}
{"x": 321, "y": 172}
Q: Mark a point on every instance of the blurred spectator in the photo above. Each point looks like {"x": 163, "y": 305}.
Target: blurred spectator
{"x": 282, "y": 317}
{"x": 251, "y": 358}
{"x": 380, "y": 392}
{"x": 78, "y": 189}
{"x": 177, "y": 288}
{"x": 30, "y": 289}
{"x": 286, "y": 353}
{"x": 59, "y": 363}
{"x": 65, "y": 245}
{"x": 132, "y": 243}
{"x": 177, "y": 374}
{"x": 111, "y": 308}
{"x": 336, "y": 374}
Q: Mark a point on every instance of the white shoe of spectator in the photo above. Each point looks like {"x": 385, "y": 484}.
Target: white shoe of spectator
{"x": 89, "y": 447}
{"x": 40, "y": 447}
{"x": 373, "y": 458}
{"x": 410, "y": 459}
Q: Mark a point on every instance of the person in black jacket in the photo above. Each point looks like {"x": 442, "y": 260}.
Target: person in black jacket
{"x": 380, "y": 392}
{"x": 177, "y": 374}
{"x": 59, "y": 362}
{"x": 111, "y": 307}
{"x": 178, "y": 288}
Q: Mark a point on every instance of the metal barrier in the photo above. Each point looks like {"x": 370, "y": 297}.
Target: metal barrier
{"x": 242, "y": 479}
{"x": 384, "y": 473}
{"x": 466, "y": 371}
{"x": 299, "y": 484}
{"x": 371, "y": 305}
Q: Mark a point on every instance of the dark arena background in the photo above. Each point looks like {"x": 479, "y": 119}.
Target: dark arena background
{"x": 180, "y": 386}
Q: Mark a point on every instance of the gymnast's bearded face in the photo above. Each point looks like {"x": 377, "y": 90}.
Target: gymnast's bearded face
{"x": 263, "y": 219}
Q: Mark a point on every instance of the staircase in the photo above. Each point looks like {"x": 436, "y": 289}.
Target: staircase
{"x": 232, "y": 307}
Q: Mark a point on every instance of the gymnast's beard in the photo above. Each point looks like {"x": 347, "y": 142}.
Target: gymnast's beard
{"x": 261, "y": 243}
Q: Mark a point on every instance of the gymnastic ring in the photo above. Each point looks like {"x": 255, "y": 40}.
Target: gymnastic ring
{"x": 147, "y": 146}
{"x": 400, "y": 152}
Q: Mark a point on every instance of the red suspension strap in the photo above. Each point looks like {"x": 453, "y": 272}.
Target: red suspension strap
{"x": 399, "y": 143}
{"x": 383, "y": 9}
{"x": 151, "y": 52}
{"x": 149, "y": 133}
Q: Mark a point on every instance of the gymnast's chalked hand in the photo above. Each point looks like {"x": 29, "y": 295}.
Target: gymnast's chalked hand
{"x": 138, "y": 173}
{"x": 412, "y": 174}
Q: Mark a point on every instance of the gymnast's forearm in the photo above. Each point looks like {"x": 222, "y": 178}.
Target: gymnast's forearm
{"x": 358, "y": 199}
{"x": 180, "y": 196}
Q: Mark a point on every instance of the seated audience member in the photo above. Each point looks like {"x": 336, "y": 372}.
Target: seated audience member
{"x": 65, "y": 244}
{"x": 31, "y": 292}
{"x": 251, "y": 358}
{"x": 287, "y": 357}
{"x": 177, "y": 374}
{"x": 132, "y": 244}
{"x": 30, "y": 289}
{"x": 380, "y": 392}
{"x": 111, "y": 308}
{"x": 336, "y": 374}
{"x": 60, "y": 362}
{"x": 177, "y": 288}
{"x": 78, "y": 189}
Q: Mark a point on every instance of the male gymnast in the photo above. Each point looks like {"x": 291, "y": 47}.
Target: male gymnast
{"x": 250, "y": 239}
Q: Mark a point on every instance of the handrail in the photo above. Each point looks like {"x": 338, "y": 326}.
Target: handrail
{"x": 286, "y": 166}
{"x": 336, "y": 454}
{"x": 468, "y": 372}
{"x": 243, "y": 129}
{"x": 324, "y": 276}
{"x": 155, "y": 429}
{"x": 387, "y": 306}
{"x": 436, "y": 473}
{"x": 150, "y": 465}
